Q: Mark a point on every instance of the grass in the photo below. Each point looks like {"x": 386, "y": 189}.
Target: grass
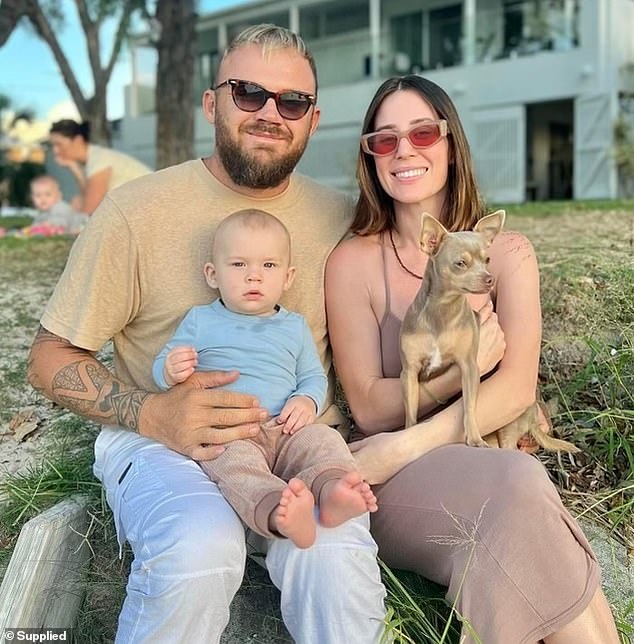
{"x": 67, "y": 470}
{"x": 418, "y": 611}
{"x": 587, "y": 367}
{"x": 15, "y": 221}
{"x": 555, "y": 208}
{"x": 598, "y": 413}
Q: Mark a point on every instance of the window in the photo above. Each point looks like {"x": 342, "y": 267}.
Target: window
{"x": 407, "y": 43}
{"x": 445, "y": 32}
{"x": 206, "y": 61}
{"x": 531, "y": 26}
{"x": 280, "y": 19}
{"x": 333, "y": 18}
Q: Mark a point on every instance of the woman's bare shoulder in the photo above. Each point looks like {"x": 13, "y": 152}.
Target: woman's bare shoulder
{"x": 357, "y": 249}
{"x": 511, "y": 251}
{"x": 510, "y": 243}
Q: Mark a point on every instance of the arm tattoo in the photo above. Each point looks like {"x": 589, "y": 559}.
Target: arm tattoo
{"x": 87, "y": 387}
{"x": 126, "y": 405}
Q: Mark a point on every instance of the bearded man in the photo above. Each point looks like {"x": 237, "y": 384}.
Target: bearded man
{"x": 133, "y": 273}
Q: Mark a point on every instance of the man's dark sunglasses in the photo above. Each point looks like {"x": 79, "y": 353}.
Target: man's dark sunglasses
{"x": 251, "y": 97}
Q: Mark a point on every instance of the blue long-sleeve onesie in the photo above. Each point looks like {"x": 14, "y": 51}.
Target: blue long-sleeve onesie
{"x": 275, "y": 355}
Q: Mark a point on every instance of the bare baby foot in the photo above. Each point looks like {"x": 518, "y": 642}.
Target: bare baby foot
{"x": 293, "y": 517}
{"x": 344, "y": 499}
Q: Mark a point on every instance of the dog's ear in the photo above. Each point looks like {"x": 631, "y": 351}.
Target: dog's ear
{"x": 491, "y": 225}
{"x": 432, "y": 233}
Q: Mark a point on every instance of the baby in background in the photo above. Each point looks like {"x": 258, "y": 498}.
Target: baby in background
{"x": 273, "y": 480}
{"x": 53, "y": 211}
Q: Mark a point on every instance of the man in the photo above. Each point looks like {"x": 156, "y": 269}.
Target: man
{"x": 131, "y": 276}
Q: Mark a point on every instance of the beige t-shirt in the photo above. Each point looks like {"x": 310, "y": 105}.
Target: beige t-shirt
{"x": 123, "y": 167}
{"x": 137, "y": 267}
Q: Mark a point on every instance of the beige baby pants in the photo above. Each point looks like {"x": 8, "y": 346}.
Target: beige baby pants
{"x": 252, "y": 473}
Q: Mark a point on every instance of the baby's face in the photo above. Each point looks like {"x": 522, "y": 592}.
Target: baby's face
{"x": 45, "y": 195}
{"x": 251, "y": 270}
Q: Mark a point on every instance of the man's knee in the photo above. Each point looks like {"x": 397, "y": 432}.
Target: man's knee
{"x": 190, "y": 540}
{"x": 188, "y": 536}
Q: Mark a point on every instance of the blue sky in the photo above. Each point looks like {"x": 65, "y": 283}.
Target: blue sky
{"x": 30, "y": 76}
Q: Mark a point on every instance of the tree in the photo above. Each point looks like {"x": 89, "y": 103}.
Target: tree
{"x": 45, "y": 17}
{"x": 175, "y": 23}
{"x": 175, "y": 81}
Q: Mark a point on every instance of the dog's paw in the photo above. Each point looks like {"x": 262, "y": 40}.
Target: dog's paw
{"x": 477, "y": 443}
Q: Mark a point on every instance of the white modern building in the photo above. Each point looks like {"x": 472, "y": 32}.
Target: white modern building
{"x": 539, "y": 84}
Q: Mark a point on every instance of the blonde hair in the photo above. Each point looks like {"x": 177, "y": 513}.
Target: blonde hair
{"x": 271, "y": 37}
{"x": 44, "y": 178}
{"x": 253, "y": 219}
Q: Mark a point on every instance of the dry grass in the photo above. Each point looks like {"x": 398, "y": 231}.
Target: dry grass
{"x": 587, "y": 266}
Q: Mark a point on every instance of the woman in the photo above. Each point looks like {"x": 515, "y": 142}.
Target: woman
{"x": 486, "y": 523}
{"x": 95, "y": 168}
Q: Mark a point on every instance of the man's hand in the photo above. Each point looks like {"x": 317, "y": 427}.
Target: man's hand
{"x": 298, "y": 412}
{"x": 180, "y": 363}
{"x": 195, "y": 419}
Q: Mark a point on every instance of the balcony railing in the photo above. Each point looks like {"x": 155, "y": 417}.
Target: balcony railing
{"x": 418, "y": 41}
{"x": 526, "y": 28}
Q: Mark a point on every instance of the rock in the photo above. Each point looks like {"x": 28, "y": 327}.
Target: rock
{"x": 617, "y": 568}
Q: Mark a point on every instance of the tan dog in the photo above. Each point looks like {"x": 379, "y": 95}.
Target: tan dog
{"x": 527, "y": 424}
{"x": 440, "y": 328}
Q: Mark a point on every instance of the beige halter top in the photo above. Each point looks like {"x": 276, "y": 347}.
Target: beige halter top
{"x": 389, "y": 330}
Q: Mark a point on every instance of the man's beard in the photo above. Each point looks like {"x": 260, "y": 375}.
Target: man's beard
{"x": 250, "y": 172}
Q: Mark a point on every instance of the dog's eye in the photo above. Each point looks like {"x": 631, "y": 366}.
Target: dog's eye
{"x": 461, "y": 263}
{"x": 487, "y": 260}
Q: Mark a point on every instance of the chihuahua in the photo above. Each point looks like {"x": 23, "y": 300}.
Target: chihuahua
{"x": 527, "y": 425}
{"x": 440, "y": 328}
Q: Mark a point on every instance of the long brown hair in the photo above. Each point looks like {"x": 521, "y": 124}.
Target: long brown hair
{"x": 374, "y": 211}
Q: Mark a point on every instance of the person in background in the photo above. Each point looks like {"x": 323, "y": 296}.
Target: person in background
{"x": 132, "y": 276}
{"x": 96, "y": 169}
{"x": 486, "y": 523}
{"x": 52, "y": 210}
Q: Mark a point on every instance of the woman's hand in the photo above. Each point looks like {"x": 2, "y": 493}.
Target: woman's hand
{"x": 76, "y": 169}
{"x": 66, "y": 162}
{"x": 527, "y": 443}
{"x": 381, "y": 456}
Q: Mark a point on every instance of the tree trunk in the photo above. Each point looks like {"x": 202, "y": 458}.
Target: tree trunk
{"x": 10, "y": 13}
{"x": 95, "y": 113}
{"x": 174, "y": 82}
{"x": 39, "y": 13}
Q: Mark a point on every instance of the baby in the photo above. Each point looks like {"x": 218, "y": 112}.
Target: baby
{"x": 53, "y": 211}
{"x": 274, "y": 479}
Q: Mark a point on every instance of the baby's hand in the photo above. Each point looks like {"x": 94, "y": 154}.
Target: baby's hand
{"x": 180, "y": 363}
{"x": 298, "y": 412}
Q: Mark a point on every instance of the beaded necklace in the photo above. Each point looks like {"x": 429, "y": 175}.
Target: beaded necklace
{"x": 400, "y": 261}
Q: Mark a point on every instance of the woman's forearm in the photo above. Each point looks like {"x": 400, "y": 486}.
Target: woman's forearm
{"x": 382, "y": 408}
{"x": 384, "y": 453}
{"x": 381, "y": 456}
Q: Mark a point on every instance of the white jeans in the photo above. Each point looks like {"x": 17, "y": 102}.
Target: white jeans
{"x": 189, "y": 556}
